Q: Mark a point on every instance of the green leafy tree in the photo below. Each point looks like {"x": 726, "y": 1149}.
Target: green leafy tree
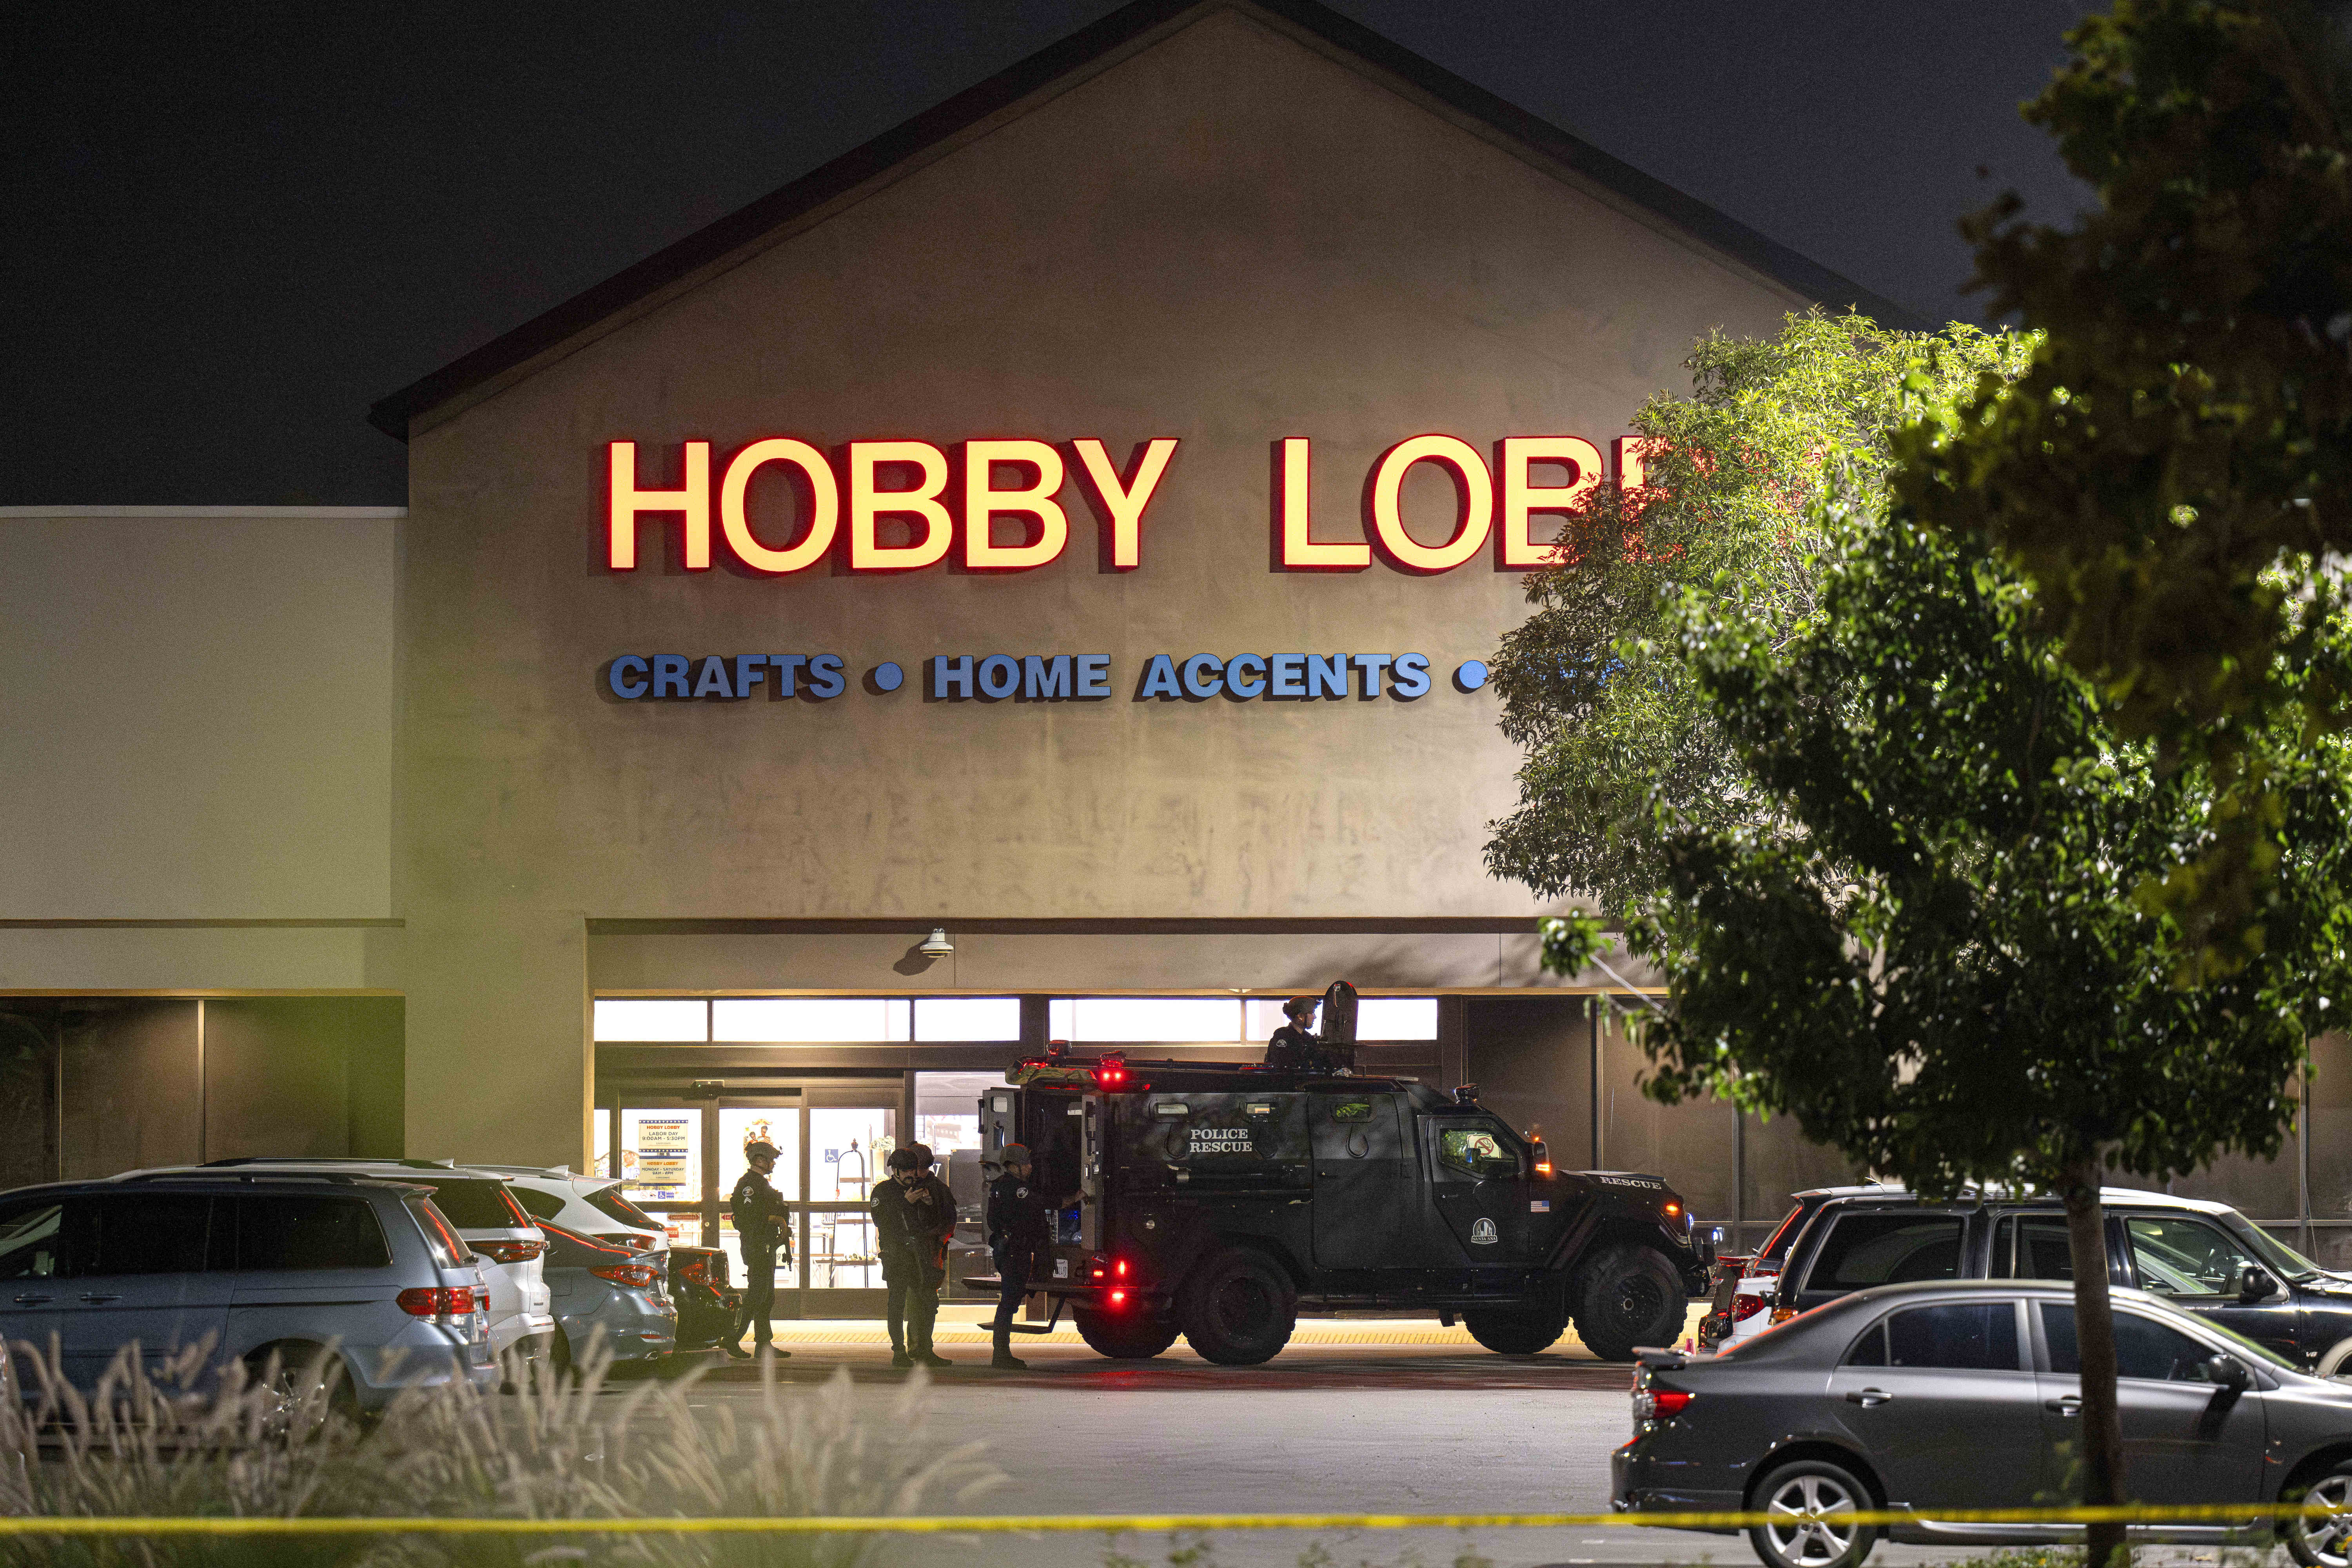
{"x": 1594, "y": 686}
{"x": 2174, "y": 472}
{"x": 1930, "y": 946}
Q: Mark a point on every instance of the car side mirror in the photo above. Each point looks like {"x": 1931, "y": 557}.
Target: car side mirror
{"x": 2255, "y": 1285}
{"x": 2229, "y": 1372}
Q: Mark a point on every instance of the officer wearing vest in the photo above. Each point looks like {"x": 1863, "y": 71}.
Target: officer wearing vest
{"x": 761, "y": 1227}
{"x": 914, "y": 1215}
{"x": 1021, "y": 1241}
{"x": 1294, "y": 1047}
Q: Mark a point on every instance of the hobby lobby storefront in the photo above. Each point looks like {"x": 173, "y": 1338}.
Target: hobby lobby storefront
{"x": 1068, "y": 528}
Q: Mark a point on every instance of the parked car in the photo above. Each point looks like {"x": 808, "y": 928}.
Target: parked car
{"x": 612, "y": 1291}
{"x": 1744, "y": 1286}
{"x": 486, "y": 1215}
{"x": 364, "y": 1282}
{"x": 2206, "y": 1258}
{"x": 699, "y": 1291}
{"x": 591, "y": 1205}
{"x": 1951, "y": 1396}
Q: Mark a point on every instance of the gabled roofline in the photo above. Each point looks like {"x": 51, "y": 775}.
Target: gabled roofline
{"x": 741, "y": 234}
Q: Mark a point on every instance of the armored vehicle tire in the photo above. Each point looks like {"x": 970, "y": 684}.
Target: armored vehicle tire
{"x": 1627, "y": 1296}
{"x": 1131, "y": 1336}
{"x": 1237, "y": 1308}
{"x": 1514, "y": 1331}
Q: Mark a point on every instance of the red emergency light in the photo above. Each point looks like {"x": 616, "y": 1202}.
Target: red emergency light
{"x": 1110, "y": 1072}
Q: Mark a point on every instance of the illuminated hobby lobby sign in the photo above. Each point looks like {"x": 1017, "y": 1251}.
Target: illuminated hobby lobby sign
{"x": 995, "y": 503}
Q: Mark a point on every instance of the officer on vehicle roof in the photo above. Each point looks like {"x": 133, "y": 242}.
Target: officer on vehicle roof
{"x": 760, "y": 1228}
{"x": 1294, "y": 1047}
{"x": 1021, "y": 1241}
{"x": 914, "y": 1214}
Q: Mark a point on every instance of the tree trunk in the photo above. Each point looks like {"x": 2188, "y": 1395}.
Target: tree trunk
{"x": 2102, "y": 1439}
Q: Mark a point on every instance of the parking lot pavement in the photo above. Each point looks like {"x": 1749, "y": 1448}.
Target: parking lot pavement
{"x": 1336, "y": 1426}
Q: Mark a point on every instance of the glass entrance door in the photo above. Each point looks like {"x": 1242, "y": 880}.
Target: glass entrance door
{"x": 681, "y": 1162}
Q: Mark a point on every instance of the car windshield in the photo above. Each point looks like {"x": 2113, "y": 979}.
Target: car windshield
{"x": 2250, "y": 1347}
{"x": 2285, "y": 1262}
{"x": 608, "y": 1201}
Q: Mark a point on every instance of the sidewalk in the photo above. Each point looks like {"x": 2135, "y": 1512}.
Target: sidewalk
{"x": 966, "y": 1323}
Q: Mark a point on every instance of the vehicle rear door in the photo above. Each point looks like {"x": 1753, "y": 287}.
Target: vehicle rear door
{"x": 141, "y": 1278}
{"x": 1478, "y": 1180}
{"x": 1368, "y": 1207}
{"x": 2186, "y": 1439}
{"x": 1945, "y": 1406}
{"x": 1863, "y": 1247}
{"x": 314, "y": 1268}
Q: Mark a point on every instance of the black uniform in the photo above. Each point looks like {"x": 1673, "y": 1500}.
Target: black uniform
{"x": 911, "y": 1228}
{"x": 759, "y": 1226}
{"x": 1295, "y": 1051}
{"x": 1022, "y": 1243}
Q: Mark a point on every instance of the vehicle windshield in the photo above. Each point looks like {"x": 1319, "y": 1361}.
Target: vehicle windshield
{"x": 2284, "y": 1260}
{"x": 1777, "y": 1247}
{"x": 608, "y": 1201}
{"x": 2250, "y": 1348}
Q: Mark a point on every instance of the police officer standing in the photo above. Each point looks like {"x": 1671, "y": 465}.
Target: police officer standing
{"x": 914, "y": 1215}
{"x": 1020, "y": 1240}
{"x": 759, "y": 1229}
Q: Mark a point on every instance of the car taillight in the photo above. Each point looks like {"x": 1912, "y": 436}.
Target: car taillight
{"x": 1746, "y": 1307}
{"x": 1119, "y": 1268}
{"x": 628, "y": 1238}
{"x": 1118, "y": 1298}
{"x": 437, "y": 1302}
{"x": 695, "y": 1268}
{"x": 641, "y": 1276}
{"x": 510, "y": 1251}
{"x": 1658, "y": 1403}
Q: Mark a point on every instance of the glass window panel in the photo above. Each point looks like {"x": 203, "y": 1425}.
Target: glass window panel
{"x": 684, "y": 1225}
{"x": 1182, "y": 1020}
{"x": 967, "y": 1019}
{"x": 1886, "y": 1248}
{"x": 800, "y": 1020}
{"x": 2181, "y": 1257}
{"x": 742, "y": 1124}
{"x": 602, "y": 1122}
{"x": 788, "y": 1275}
{"x": 898, "y": 1020}
{"x": 661, "y": 1156}
{"x": 1972, "y": 1336}
{"x": 1396, "y": 1018}
{"x": 1061, "y": 1018}
{"x": 1261, "y": 1016}
{"x": 653, "y": 1018}
{"x": 847, "y": 1148}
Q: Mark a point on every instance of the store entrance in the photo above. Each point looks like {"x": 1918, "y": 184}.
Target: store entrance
{"x": 681, "y": 1159}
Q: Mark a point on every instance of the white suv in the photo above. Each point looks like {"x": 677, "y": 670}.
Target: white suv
{"x": 592, "y": 1206}
{"x": 487, "y": 1217}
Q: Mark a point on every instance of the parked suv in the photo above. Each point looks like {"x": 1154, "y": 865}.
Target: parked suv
{"x": 590, "y": 1205}
{"x": 486, "y": 1215}
{"x": 300, "y": 1266}
{"x": 2204, "y": 1258}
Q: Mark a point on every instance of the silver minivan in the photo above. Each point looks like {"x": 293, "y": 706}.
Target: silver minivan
{"x": 478, "y": 1203}
{"x": 298, "y": 1268}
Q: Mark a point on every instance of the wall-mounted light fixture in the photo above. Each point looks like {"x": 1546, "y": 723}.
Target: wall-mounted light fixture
{"x": 936, "y": 944}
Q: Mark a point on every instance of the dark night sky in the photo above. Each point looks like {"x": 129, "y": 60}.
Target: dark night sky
{"x": 229, "y": 230}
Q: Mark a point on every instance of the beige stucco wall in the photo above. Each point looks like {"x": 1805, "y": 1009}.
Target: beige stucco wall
{"x": 1229, "y": 238}
{"x": 197, "y": 717}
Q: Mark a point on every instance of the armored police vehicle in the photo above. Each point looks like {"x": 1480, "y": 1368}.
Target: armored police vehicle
{"x": 1215, "y": 1200}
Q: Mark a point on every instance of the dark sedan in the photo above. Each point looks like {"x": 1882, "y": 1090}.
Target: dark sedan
{"x": 1921, "y": 1397}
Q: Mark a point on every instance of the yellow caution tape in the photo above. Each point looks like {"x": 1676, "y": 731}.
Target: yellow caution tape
{"x": 997, "y": 1524}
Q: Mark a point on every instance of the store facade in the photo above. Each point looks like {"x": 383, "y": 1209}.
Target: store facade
{"x": 1226, "y": 358}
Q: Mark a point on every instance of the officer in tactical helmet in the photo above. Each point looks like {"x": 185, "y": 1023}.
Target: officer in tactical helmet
{"x": 760, "y": 1228}
{"x": 1295, "y": 1048}
{"x": 914, "y": 1215}
{"x": 1021, "y": 1238}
